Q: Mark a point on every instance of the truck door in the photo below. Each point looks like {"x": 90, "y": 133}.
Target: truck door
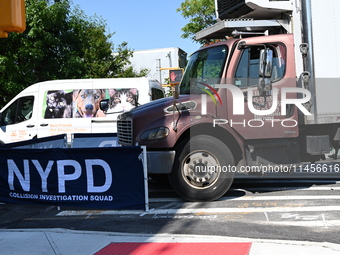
{"x": 18, "y": 120}
{"x": 244, "y": 73}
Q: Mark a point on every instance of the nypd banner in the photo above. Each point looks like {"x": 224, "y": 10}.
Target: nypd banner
{"x": 103, "y": 178}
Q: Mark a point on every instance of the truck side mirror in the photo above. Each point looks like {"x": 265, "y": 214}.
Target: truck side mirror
{"x": 265, "y": 71}
{"x": 266, "y": 63}
{"x": 104, "y": 105}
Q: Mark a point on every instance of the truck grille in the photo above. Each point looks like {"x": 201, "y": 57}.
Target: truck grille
{"x": 124, "y": 132}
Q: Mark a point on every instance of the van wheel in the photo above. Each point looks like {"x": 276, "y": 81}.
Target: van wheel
{"x": 201, "y": 167}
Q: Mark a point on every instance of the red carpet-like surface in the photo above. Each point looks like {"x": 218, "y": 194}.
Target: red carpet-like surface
{"x": 176, "y": 249}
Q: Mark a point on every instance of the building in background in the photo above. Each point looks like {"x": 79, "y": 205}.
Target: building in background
{"x": 156, "y": 59}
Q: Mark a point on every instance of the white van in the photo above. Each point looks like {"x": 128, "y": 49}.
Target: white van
{"x": 72, "y": 106}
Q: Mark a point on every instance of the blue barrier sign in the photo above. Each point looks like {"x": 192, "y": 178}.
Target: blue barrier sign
{"x": 103, "y": 178}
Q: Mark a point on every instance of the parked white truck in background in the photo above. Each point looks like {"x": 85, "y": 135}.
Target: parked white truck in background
{"x": 267, "y": 94}
{"x": 72, "y": 106}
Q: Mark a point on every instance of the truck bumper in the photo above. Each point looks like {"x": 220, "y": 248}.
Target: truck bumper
{"x": 160, "y": 162}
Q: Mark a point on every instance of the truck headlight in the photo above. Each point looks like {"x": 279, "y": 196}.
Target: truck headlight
{"x": 154, "y": 134}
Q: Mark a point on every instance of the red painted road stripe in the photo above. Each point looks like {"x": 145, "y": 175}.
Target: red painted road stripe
{"x": 175, "y": 249}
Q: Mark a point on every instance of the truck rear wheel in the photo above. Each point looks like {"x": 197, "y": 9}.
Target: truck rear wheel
{"x": 202, "y": 169}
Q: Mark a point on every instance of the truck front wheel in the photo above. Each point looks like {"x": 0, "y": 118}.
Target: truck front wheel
{"x": 202, "y": 169}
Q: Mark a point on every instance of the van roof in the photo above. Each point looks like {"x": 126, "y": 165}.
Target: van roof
{"x": 135, "y": 82}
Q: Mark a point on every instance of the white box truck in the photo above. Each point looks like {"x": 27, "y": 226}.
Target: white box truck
{"x": 72, "y": 106}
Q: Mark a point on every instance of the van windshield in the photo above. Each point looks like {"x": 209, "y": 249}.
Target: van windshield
{"x": 204, "y": 67}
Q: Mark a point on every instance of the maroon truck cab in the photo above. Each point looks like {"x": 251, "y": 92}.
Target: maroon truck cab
{"x": 239, "y": 105}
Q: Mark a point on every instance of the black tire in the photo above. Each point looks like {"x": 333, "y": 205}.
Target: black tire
{"x": 190, "y": 177}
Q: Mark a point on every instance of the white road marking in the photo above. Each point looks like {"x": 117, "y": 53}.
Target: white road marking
{"x": 320, "y": 223}
{"x": 324, "y": 197}
{"x": 252, "y": 198}
{"x": 202, "y": 211}
{"x": 287, "y": 188}
{"x": 291, "y": 215}
{"x": 280, "y": 181}
{"x": 266, "y": 214}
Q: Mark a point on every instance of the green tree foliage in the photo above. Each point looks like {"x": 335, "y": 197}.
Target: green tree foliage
{"x": 201, "y": 14}
{"x": 60, "y": 42}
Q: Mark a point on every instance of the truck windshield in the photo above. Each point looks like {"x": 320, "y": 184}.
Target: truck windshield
{"x": 204, "y": 67}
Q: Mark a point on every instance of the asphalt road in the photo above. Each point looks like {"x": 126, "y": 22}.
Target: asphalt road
{"x": 286, "y": 209}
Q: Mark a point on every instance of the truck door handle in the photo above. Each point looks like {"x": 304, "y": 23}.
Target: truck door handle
{"x": 30, "y": 126}
{"x": 245, "y": 94}
{"x": 44, "y": 125}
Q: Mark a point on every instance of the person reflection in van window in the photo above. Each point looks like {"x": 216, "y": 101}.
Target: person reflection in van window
{"x": 26, "y": 108}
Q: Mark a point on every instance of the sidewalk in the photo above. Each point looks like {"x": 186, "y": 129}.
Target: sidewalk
{"x": 64, "y": 242}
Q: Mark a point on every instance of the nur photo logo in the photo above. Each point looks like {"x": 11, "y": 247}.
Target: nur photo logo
{"x": 204, "y": 97}
{"x": 239, "y": 99}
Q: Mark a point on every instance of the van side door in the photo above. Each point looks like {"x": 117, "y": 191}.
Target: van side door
{"x": 66, "y": 111}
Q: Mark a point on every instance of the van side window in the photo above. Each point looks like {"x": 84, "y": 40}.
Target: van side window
{"x": 156, "y": 93}
{"x": 247, "y": 72}
{"x": 84, "y": 103}
{"x": 20, "y": 110}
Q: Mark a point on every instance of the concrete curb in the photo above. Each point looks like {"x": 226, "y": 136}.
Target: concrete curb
{"x": 64, "y": 241}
